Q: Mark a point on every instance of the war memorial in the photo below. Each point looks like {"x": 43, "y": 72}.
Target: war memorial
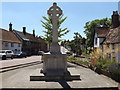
{"x": 55, "y": 63}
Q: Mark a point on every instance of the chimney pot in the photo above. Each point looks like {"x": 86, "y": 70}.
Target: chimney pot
{"x": 10, "y": 27}
{"x": 24, "y": 30}
{"x": 34, "y": 33}
{"x": 115, "y": 19}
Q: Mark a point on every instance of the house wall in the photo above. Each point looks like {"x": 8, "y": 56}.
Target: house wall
{"x": 4, "y": 47}
{"x": 0, "y": 45}
{"x": 26, "y": 47}
{"x": 106, "y": 51}
{"x": 118, "y": 52}
{"x": 43, "y": 47}
{"x": 112, "y": 51}
{"x": 16, "y": 47}
{"x": 7, "y": 46}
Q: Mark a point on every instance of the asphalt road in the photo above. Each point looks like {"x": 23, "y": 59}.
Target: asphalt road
{"x": 18, "y": 61}
{"x": 20, "y": 78}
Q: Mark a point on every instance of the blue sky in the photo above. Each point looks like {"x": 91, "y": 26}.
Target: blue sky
{"x": 29, "y": 14}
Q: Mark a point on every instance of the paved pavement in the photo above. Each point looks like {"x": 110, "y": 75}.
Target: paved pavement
{"x": 20, "y": 78}
{"x": 18, "y": 61}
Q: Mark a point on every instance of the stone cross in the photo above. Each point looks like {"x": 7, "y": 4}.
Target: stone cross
{"x": 55, "y": 12}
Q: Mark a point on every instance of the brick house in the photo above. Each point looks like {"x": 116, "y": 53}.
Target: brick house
{"x": 30, "y": 43}
{"x": 9, "y": 41}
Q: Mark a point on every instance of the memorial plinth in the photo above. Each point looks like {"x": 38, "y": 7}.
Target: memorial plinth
{"x": 55, "y": 63}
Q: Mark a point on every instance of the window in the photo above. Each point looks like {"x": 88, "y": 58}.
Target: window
{"x": 12, "y": 44}
{"x": 96, "y": 40}
{"x": 6, "y": 44}
{"x": 18, "y": 45}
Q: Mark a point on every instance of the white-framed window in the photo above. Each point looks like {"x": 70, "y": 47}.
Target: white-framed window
{"x": 6, "y": 44}
{"x": 18, "y": 44}
{"x": 12, "y": 44}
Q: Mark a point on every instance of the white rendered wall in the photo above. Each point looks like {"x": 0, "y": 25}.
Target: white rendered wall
{"x": 15, "y": 47}
{"x": 8, "y": 47}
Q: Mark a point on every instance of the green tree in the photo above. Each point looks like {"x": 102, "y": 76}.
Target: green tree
{"x": 90, "y": 28}
{"x": 78, "y": 43}
{"x": 75, "y": 44}
{"x": 47, "y": 24}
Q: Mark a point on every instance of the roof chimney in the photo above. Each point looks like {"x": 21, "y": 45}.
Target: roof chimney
{"x": 115, "y": 19}
{"x": 10, "y": 27}
{"x": 34, "y": 33}
{"x": 24, "y": 30}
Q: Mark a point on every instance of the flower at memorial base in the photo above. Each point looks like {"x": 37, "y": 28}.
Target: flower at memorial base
{"x": 93, "y": 61}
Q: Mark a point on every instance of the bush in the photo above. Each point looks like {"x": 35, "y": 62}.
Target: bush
{"x": 87, "y": 55}
{"x": 71, "y": 58}
{"x": 115, "y": 68}
{"x": 104, "y": 63}
{"x": 78, "y": 61}
{"x": 82, "y": 62}
{"x": 116, "y": 75}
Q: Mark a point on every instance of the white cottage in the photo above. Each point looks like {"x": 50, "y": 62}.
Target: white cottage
{"x": 9, "y": 41}
{"x": 100, "y": 35}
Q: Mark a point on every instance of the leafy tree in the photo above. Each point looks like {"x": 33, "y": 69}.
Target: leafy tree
{"x": 78, "y": 43}
{"x": 47, "y": 24}
{"x": 75, "y": 45}
{"x": 90, "y": 28}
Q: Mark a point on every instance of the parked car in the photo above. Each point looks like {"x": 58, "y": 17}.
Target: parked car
{"x": 20, "y": 54}
{"x": 41, "y": 52}
{"x": 4, "y": 54}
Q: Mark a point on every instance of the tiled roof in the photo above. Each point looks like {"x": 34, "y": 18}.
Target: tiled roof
{"x": 113, "y": 36}
{"x": 102, "y": 31}
{"x": 8, "y": 36}
{"x": 27, "y": 36}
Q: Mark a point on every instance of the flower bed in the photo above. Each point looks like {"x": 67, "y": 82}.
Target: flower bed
{"x": 78, "y": 62}
{"x": 101, "y": 66}
{"x": 107, "y": 67}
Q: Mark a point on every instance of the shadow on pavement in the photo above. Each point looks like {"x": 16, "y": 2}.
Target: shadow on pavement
{"x": 64, "y": 84}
